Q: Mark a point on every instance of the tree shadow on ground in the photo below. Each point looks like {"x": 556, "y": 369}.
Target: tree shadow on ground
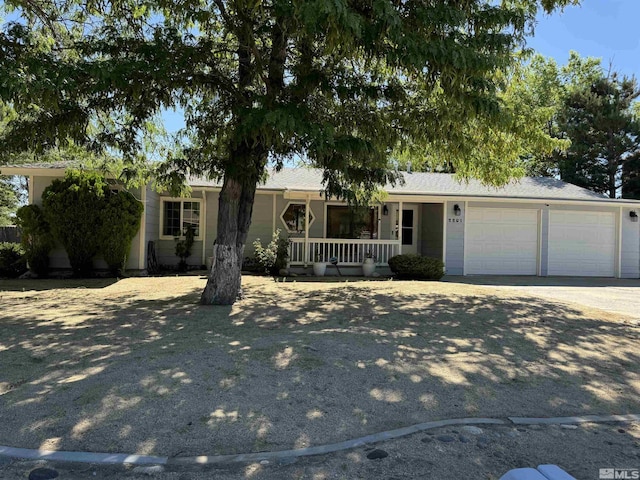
{"x": 42, "y": 284}
{"x": 150, "y": 371}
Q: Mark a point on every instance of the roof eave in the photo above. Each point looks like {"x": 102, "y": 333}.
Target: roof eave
{"x": 452, "y": 196}
{"x": 40, "y": 172}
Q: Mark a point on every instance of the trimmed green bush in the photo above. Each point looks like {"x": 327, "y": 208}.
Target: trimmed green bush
{"x": 416, "y": 267}
{"x": 37, "y": 240}
{"x": 12, "y": 260}
{"x": 120, "y": 221}
{"x": 73, "y": 207}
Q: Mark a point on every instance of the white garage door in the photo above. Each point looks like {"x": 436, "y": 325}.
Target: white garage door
{"x": 501, "y": 241}
{"x": 582, "y": 243}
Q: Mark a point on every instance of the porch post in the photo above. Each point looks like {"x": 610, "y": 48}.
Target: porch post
{"x": 400, "y": 227}
{"x": 306, "y": 231}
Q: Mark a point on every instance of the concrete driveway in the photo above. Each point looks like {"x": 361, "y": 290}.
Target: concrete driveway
{"x": 609, "y": 294}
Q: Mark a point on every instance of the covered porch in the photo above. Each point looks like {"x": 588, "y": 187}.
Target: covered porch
{"x": 349, "y": 236}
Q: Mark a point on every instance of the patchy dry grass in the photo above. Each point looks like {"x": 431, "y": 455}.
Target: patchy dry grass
{"x": 139, "y": 366}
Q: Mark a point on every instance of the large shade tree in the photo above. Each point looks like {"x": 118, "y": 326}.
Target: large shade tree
{"x": 339, "y": 83}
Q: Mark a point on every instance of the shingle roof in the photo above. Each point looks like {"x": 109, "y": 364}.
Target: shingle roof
{"x": 437, "y": 184}
{"x": 416, "y": 183}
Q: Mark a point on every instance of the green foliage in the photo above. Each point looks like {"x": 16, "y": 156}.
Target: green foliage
{"x": 37, "y": 239}
{"x": 604, "y": 133}
{"x": 631, "y": 177}
{"x": 339, "y": 83}
{"x": 183, "y": 247}
{"x": 274, "y": 256}
{"x": 12, "y": 260}
{"x": 8, "y": 201}
{"x": 595, "y": 113}
{"x": 120, "y": 222}
{"x": 72, "y": 207}
{"x": 416, "y": 267}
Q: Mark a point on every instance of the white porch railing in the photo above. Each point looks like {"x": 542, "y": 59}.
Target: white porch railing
{"x": 347, "y": 251}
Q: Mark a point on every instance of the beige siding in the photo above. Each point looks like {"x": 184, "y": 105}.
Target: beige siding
{"x": 630, "y": 245}
{"x": 261, "y": 222}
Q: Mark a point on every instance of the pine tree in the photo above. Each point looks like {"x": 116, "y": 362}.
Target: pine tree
{"x": 605, "y": 136}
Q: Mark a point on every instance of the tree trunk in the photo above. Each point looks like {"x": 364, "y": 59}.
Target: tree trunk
{"x": 235, "y": 207}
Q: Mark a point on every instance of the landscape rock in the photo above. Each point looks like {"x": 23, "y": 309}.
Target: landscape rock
{"x": 470, "y": 429}
{"x": 43, "y": 474}
{"x": 150, "y": 470}
{"x": 569, "y": 427}
{"x": 377, "y": 454}
{"x": 446, "y": 438}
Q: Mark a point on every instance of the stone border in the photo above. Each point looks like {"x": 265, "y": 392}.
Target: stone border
{"x": 123, "y": 458}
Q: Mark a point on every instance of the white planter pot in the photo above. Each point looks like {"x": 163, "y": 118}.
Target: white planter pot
{"x": 319, "y": 269}
{"x": 368, "y": 267}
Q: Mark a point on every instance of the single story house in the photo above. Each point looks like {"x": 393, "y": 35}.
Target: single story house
{"x": 534, "y": 226}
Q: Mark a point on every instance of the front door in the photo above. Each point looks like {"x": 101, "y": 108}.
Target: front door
{"x": 409, "y": 228}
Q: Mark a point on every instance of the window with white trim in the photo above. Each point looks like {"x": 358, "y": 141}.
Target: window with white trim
{"x": 294, "y": 216}
{"x": 176, "y": 215}
{"x": 350, "y": 222}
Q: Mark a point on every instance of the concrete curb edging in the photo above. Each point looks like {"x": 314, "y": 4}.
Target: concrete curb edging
{"x": 580, "y": 419}
{"x": 333, "y": 447}
{"x": 123, "y": 458}
{"x": 81, "y": 457}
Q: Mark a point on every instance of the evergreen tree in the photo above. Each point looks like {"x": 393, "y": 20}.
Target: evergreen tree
{"x": 604, "y": 134}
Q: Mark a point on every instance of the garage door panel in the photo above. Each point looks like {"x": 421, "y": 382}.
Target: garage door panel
{"x": 582, "y": 243}
{"x": 501, "y": 241}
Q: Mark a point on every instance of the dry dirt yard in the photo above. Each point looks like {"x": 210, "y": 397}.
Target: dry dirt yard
{"x": 138, "y": 366}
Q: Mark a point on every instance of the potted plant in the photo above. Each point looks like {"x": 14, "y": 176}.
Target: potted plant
{"x": 369, "y": 265}
{"x": 319, "y": 267}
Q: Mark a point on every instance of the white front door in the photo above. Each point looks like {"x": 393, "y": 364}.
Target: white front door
{"x": 409, "y": 227}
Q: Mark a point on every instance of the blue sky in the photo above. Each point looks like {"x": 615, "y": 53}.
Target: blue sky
{"x": 607, "y": 29}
